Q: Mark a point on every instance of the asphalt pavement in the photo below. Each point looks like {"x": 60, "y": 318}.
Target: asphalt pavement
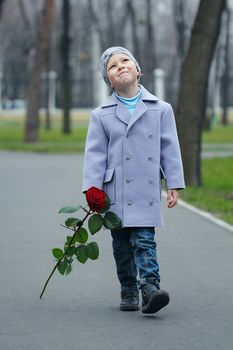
{"x": 81, "y": 311}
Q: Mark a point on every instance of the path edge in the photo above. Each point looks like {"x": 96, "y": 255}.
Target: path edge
{"x": 203, "y": 213}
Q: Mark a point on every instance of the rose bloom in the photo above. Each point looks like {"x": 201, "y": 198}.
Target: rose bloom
{"x": 96, "y": 199}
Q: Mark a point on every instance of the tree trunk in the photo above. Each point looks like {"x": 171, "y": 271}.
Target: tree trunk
{"x": 149, "y": 57}
{"x": 193, "y": 88}
{"x": 34, "y": 90}
{"x": 113, "y": 36}
{"x": 1, "y": 7}
{"x": 135, "y": 40}
{"x": 47, "y": 112}
{"x": 226, "y": 74}
{"x": 66, "y": 83}
{"x": 97, "y": 24}
{"x": 180, "y": 28}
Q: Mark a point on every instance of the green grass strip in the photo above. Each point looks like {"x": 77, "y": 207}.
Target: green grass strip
{"x": 51, "y": 141}
{"x": 216, "y": 195}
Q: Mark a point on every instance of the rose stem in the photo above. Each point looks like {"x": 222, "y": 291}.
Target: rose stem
{"x": 79, "y": 225}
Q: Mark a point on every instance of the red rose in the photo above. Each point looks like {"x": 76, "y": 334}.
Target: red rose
{"x": 96, "y": 199}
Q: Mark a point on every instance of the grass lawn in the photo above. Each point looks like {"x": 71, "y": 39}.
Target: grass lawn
{"x": 52, "y": 141}
{"x": 220, "y": 134}
{"x": 216, "y": 195}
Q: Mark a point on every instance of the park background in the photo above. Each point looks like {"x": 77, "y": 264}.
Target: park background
{"x": 49, "y": 78}
{"x": 49, "y": 84}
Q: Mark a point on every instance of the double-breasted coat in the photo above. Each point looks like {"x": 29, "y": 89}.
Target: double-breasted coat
{"x": 127, "y": 155}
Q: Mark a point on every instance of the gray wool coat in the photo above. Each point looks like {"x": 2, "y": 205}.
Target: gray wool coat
{"x": 128, "y": 155}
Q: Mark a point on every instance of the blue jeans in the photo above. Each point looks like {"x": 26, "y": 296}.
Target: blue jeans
{"x": 134, "y": 250}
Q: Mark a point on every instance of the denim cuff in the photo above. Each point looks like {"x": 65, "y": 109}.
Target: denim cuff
{"x": 143, "y": 281}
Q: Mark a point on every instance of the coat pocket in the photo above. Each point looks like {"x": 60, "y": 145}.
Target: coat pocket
{"x": 110, "y": 184}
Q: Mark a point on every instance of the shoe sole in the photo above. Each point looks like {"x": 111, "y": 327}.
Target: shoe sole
{"x": 156, "y": 302}
{"x": 129, "y": 308}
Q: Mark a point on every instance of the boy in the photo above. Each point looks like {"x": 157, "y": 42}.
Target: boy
{"x": 131, "y": 144}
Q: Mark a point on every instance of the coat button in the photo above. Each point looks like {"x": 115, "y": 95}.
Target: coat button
{"x": 150, "y": 158}
{"x": 150, "y": 136}
{"x": 150, "y": 181}
{"x": 128, "y": 157}
{"x": 130, "y": 202}
{"x": 151, "y": 203}
{"x": 128, "y": 181}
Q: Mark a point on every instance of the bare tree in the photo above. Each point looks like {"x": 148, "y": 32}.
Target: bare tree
{"x": 32, "y": 120}
{"x": 193, "y": 89}
{"x": 97, "y": 23}
{"x": 111, "y": 30}
{"x": 132, "y": 15}
{"x": 27, "y": 32}
{"x": 65, "y": 53}
{"x": 1, "y": 7}
{"x": 226, "y": 72}
{"x": 25, "y": 18}
{"x": 148, "y": 48}
{"x": 181, "y": 28}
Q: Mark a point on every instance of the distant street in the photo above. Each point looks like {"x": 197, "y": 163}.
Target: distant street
{"x": 81, "y": 311}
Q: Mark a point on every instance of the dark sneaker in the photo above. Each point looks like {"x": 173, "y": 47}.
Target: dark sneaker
{"x": 129, "y": 301}
{"x": 153, "y": 299}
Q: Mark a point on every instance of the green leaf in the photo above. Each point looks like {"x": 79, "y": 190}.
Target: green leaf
{"x": 95, "y": 223}
{"x": 69, "y": 209}
{"x": 103, "y": 210}
{"x": 68, "y": 269}
{"x": 71, "y": 222}
{"x": 70, "y": 251}
{"x": 81, "y": 235}
{"x": 92, "y": 250}
{"x": 57, "y": 253}
{"x": 112, "y": 221}
{"x": 62, "y": 266}
{"x": 68, "y": 240}
{"x": 70, "y": 260}
{"x": 81, "y": 253}
{"x": 67, "y": 243}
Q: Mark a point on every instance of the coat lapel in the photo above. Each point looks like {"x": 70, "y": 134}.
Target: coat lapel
{"x": 122, "y": 112}
{"x": 141, "y": 106}
{"x": 139, "y": 111}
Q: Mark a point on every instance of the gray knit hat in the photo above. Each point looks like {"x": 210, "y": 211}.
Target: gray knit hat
{"x": 109, "y": 53}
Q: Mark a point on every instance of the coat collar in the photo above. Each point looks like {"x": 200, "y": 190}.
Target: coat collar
{"x": 122, "y": 112}
{"x": 113, "y": 100}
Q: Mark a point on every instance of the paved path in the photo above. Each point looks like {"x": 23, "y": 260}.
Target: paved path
{"x": 81, "y": 311}
{"x": 213, "y": 150}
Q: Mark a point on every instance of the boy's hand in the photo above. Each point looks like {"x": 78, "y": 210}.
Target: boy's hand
{"x": 172, "y": 198}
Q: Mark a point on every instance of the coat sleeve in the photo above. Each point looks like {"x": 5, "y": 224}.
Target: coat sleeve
{"x": 170, "y": 158}
{"x": 95, "y": 155}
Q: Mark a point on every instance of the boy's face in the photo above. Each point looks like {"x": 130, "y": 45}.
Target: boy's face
{"x": 121, "y": 71}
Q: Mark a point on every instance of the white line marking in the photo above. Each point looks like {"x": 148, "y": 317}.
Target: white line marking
{"x": 204, "y": 214}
